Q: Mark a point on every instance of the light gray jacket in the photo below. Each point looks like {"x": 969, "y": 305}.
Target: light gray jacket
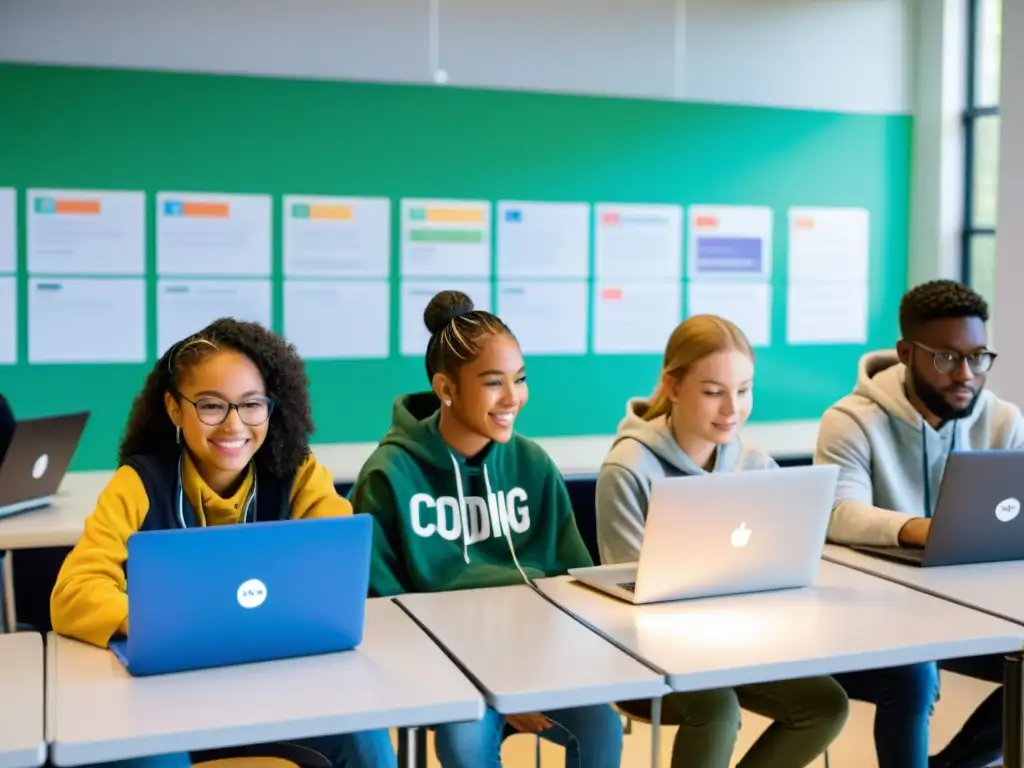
{"x": 644, "y": 450}
{"x": 890, "y": 459}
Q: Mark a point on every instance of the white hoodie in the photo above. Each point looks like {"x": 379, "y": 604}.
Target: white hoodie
{"x": 891, "y": 461}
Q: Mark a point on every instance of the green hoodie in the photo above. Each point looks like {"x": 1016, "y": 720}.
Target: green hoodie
{"x": 444, "y": 522}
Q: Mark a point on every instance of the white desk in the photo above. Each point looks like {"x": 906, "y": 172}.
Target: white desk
{"x": 526, "y": 654}
{"x": 397, "y": 678}
{"x": 994, "y": 588}
{"x": 21, "y": 704}
{"x": 849, "y": 621}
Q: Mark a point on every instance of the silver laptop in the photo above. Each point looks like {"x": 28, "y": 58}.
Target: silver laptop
{"x": 37, "y": 459}
{"x": 726, "y": 533}
{"x": 977, "y": 516}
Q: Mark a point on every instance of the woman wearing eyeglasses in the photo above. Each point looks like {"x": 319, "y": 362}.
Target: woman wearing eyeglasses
{"x": 219, "y": 435}
{"x": 910, "y": 408}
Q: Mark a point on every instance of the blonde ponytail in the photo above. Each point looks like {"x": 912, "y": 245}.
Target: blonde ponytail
{"x": 694, "y": 339}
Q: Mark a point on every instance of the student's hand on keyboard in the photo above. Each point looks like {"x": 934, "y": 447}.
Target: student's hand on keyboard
{"x": 530, "y": 723}
{"x": 914, "y": 533}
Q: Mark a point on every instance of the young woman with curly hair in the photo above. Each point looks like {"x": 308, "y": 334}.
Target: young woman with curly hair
{"x": 223, "y": 425}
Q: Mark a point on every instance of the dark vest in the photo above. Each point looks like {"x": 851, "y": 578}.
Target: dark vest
{"x": 160, "y": 477}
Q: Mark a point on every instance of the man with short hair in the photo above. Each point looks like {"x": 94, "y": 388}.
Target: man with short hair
{"x": 891, "y": 438}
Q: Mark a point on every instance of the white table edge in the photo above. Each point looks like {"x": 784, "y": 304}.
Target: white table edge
{"x": 32, "y": 757}
{"x": 841, "y": 663}
{"x": 35, "y": 755}
{"x": 894, "y": 579}
{"x": 83, "y": 753}
{"x": 654, "y": 686}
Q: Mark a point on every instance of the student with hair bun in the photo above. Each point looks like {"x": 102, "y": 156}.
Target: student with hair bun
{"x": 462, "y": 501}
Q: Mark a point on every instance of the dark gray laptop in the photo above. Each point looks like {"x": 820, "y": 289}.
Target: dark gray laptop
{"x": 977, "y": 516}
{"x": 37, "y": 459}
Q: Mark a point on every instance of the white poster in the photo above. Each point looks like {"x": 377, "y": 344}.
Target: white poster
{"x": 730, "y": 242}
{"x": 827, "y": 313}
{"x": 635, "y": 318}
{"x": 213, "y": 234}
{"x": 748, "y": 305}
{"x": 416, "y": 294}
{"x": 828, "y": 245}
{"x": 637, "y": 242}
{"x": 87, "y": 320}
{"x": 8, "y": 321}
{"x": 186, "y": 306}
{"x": 8, "y": 230}
{"x": 547, "y": 317}
{"x": 446, "y": 238}
{"x": 337, "y": 236}
{"x": 79, "y": 232}
{"x": 543, "y": 239}
{"x": 338, "y": 320}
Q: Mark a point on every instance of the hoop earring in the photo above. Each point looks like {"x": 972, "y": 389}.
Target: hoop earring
{"x": 177, "y": 435}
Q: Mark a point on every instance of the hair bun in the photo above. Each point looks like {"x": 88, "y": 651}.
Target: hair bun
{"x": 445, "y": 307}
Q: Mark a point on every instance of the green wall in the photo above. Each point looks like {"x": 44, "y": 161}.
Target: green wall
{"x": 106, "y": 129}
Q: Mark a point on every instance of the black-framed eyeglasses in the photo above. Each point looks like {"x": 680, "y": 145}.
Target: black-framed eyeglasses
{"x": 213, "y": 411}
{"x": 947, "y": 361}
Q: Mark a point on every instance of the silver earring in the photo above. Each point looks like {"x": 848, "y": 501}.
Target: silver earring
{"x": 177, "y": 435}
{"x": 447, "y": 403}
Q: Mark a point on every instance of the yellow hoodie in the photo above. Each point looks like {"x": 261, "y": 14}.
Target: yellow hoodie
{"x": 90, "y": 600}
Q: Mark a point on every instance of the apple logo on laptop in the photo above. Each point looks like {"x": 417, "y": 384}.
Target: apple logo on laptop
{"x": 39, "y": 468}
{"x": 1007, "y": 509}
{"x": 252, "y": 593}
{"x": 740, "y": 536}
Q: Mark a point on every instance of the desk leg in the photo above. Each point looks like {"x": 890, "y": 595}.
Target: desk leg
{"x": 412, "y": 748}
{"x": 656, "y": 732}
{"x": 1013, "y": 712}
{"x": 10, "y": 617}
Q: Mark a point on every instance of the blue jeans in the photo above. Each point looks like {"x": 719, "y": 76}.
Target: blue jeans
{"x": 904, "y": 698}
{"x": 366, "y": 749}
{"x": 980, "y": 742}
{"x": 592, "y": 737}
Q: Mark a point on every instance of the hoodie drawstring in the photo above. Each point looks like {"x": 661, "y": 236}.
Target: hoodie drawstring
{"x": 503, "y": 517}
{"x": 462, "y": 508}
{"x": 927, "y": 472}
{"x": 501, "y": 513}
{"x": 926, "y": 468}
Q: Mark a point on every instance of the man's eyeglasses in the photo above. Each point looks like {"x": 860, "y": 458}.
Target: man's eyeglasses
{"x": 213, "y": 411}
{"x": 947, "y": 361}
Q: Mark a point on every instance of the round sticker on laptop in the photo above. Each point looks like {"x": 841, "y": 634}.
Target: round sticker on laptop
{"x": 39, "y": 468}
{"x": 252, "y": 593}
{"x": 1007, "y": 509}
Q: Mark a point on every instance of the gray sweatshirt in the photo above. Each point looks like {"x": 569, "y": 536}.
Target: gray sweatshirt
{"x": 642, "y": 451}
{"x": 890, "y": 459}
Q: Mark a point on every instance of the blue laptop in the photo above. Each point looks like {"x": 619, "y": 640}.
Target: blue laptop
{"x": 235, "y": 594}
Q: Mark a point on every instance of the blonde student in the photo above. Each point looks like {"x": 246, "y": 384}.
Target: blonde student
{"x": 462, "y": 501}
{"x": 691, "y": 426}
{"x": 219, "y": 435}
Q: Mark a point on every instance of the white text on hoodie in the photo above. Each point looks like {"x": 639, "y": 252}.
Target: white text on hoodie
{"x": 484, "y": 519}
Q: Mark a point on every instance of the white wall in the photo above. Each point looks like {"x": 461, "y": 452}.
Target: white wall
{"x": 1008, "y": 373}
{"x": 849, "y": 55}
{"x": 938, "y": 72}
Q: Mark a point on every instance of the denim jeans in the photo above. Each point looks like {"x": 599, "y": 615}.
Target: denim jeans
{"x": 904, "y": 698}
{"x": 366, "y": 749}
{"x": 592, "y": 737}
{"x": 980, "y": 742}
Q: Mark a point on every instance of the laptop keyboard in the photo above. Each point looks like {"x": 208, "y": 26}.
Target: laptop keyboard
{"x": 629, "y": 586}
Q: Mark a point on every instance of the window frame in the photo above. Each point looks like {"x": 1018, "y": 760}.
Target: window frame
{"x": 972, "y": 112}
